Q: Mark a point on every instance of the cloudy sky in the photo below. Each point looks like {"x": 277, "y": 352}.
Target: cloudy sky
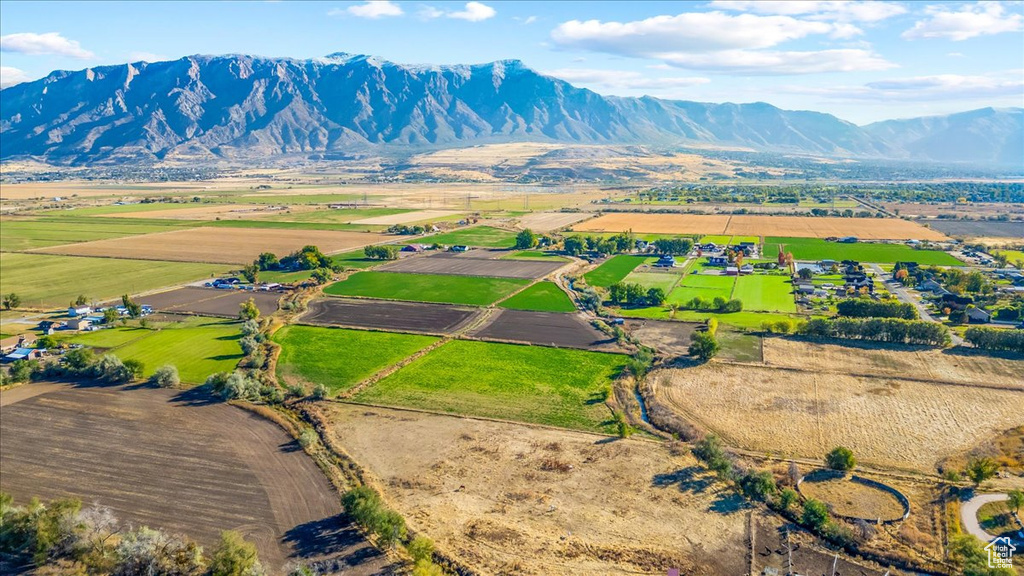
{"x": 860, "y": 60}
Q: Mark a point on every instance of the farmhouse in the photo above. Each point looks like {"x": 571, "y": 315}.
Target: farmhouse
{"x": 48, "y": 327}
{"x": 717, "y": 261}
{"x": 976, "y": 315}
{"x": 412, "y": 248}
{"x": 79, "y": 324}
{"x": 22, "y": 354}
{"x": 732, "y": 271}
{"x": 11, "y": 343}
{"x": 666, "y": 261}
{"x": 79, "y": 311}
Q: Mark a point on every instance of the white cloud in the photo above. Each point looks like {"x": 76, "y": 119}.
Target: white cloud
{"x": 525, "y": 21}
{"x": 371, "y": 9}
{"x": 969, "y": 21}
{"x": 472, "y": 11}
{"x": 623, "y": 79}
{"x": 1007, "y": 83}
{"x": 48, "y": 43}
{"x": 770, "y": 62}
{"x": 10, "y": 76}
{"x": 857, "y": 11}
{"x": 147, "y": 57}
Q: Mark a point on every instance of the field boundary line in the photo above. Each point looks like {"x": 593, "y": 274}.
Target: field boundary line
{"x": 389, "y": 370}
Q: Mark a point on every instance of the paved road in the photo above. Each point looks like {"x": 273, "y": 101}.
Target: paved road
{"x": 969, "y": 514}
{"x": 904, "y": 295}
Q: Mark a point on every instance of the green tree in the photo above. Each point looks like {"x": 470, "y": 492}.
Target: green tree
{"x": 135, "y": 368}
{"x": 787, "y": 497}
{"x": 981, "y": 469}
{"x": 805, "y": 273}
{"x": 266, "y": 261}
{"x": 655, "y": 296}
{"x": 47, "y": 342}
{"x": 249, "y": 310}
{"x": 815, "y": 514}
{"x": 11, "y": 300}
{"x": 573, "y": 246}
{"x": 1014, "y": 500}
{"x": 251, "y": 272}
{"x": 526, "y": 239}
{"x": 703, "y": 345}
{"x": 110, "y": 315}
{"x": 758, "y": 485}
{"x": 166, "y": 376}
{"x": 133, "y": 307}
{"x": 322, "y": 275}
{"x": 234, "y": 556}
{"x": 81, "y": 300}
{"x": 969, "y": 554}
{"x": 79, "y": 359}
{"x": 840, "y": 458}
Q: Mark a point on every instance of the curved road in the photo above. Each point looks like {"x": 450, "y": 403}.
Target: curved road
{"x": 969, "y": 514}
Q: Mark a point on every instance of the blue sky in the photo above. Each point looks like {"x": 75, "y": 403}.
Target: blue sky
{"x": 862, "y": 61}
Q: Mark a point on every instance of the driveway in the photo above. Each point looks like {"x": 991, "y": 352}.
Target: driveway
{"x": 969, "y": 514}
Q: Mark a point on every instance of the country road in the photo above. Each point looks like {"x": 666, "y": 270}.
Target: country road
{"x": 904, "y": 295}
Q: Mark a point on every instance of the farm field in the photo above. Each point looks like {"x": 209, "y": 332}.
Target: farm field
{"x": 977, "y": 229}
{"x": 175, "y": 471}
{"x": 924, "y": 363}
{"x": 815, "y": 249}
{"x": 409, "y": 217}
{"x": 1012, "y": 255}
{"x": 533, "y": 255}
{"x": 396, "y": 316}
{"x": 209, "y": 301}
{"x": 471, "y": 290}
{"x": 717, "y": 239}
{"x": 444, "y": 473}
{"x": 668, "y": 338}
{"x": 745, "y": 319}
{"x": 886, "y": 421}
{"x": 43, "y": 280}
{"x": 768, "y": 293}
{"x": 706, "y": 286}
{"x": 748, "y": 225}
{"x": 482, "y": 236}
{"x": 446, "y": 263}
{"x": 545, "y": 329}
{"x": 548, "y": 221}
{"x": 613, "y": 270}
{"x": 198, "y": 347}
{"x": 340, "y": 358}
{"x": 25, "y": 234}
{"x": 664, "y": 280}
{"x": 550, "y": 386}
{"x": 191, "y": 212}
{"x": 542, "y": 296}
{"x": 219, "y": 245}
{"x": 289, "y": 225}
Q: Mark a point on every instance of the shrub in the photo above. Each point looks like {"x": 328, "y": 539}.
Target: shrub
{"x": 704, "y": 345}
{"x": 110, "y": 369}
{"x": 382, "y": 252}
{"x": 135, "y": 368}
{"x": 307, "y": 438}
{"x": 319, "y": 392}
{"x": 787, "y": 497}
{"x": 365, "y": 507}
{"x": 234, "y": 556}
{"x": 758, "y": 485}
{"x": 166, "y": 376}
{"x": 840, "y": 458}
{"x": 250, "y": 328}
{"x": 815, "y": 514}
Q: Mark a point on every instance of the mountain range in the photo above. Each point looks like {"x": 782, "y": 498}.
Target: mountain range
{"x": 241, "y": 107}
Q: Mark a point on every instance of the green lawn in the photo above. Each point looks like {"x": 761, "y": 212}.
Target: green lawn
{"x": 340, "y": 358}
{"x": 107, "y": 337}
{"x": 815, "y": 249}
{"x": 543, "y": 297}
{"x": 473, "y": 290}
{"x": 534, "y": 255}
{"x": 553, "y": 386}
{"x": 738, "y": 239}
{"x": 482, "y": 236}
{"x": 664, "y": 280}
{"x": 614, "y": 270}
{"x": 44, "y": 280}
{"x": 995, "y": 518}
{"x": 765, "y": 293}
{"x": 198, "y": 347}
{"x": 706, "y": 286}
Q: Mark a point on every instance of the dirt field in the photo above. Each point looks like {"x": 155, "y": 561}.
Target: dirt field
{"x": 793, "y": 226}
{"x": 548, "y": 221}
{"x": 886, "y": 421}
{"x": 670, "y": 338}
{"x": 769, "y": 540}
{"x": 510, "y": 499}
{"x": 158, "y": 458}
{"x": 1000, "y": 230}
{"x": 853, "y": 499}
{"x": 545, "y": 329}
{"x": 391, "y": 315}
{"x": 218, "y": 245}
{"x": 417, "y": 216}
{"x": 974, "y": 209}
{"x": 209, "y": 301}
{"x": 913, "y": 363}
{"x": 203, "y": 212}
{"x": 467, "y": 266}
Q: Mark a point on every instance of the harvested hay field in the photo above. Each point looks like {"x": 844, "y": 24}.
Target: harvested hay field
{"x": 218, "y": 245}
{"x": 396, "y": 316}
{"x": 209, "y": 301}
{"x": 409, "y": 217}
{"x": 748, "y": 225}
{"x": 512, "y": 499}
{"x": 548, "y": 221}
{"x": 887, "y": 422}
{"x": 545, "y": 329}
{"x": 846, "y": 497}
{"x": 174, "y": 469}
{"x": 446, "y": 263}
{"x": 204, "y": 212}
{"x": 907, "y": 362}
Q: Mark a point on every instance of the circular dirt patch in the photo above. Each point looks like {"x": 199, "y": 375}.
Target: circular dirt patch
{"x": 853, "y": 499}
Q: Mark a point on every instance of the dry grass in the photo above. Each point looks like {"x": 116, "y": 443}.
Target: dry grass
{"x": 511, "y": 499}
{"x": 886, "y": 421}
{"x": 750, "y": 225}
{"x": 204, "y": 212}
{"x": 548, "y": 221}
{"x": 849, "y": 498}
{"x": 217, "y": 245}
{"x": 929, "y": 364}
{"x": 408, "y": 217}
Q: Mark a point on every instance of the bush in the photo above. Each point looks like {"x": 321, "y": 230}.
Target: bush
{"x": 704, "y": 346}
{"x": 815, "y": 514}
{"x": 135, "y": 368}
{"x": 758, "y": 485}
{"x": 166, "y": 376}
{"x": 319, "y": 392}
{"x": 382, "y": 252}
{"x": 364, "y": 505}
{"x": 307, "y": 438}
{"x": 234, "y": 557}
{"x": 250, "y": 328}
{"x": 840, "y": 458}
{"x": 109, "y": 368}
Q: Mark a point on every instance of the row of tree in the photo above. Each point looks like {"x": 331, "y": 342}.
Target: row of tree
{"x": 635, "y": 295}
{"x": 381, "y": 252}
{"x": 995, "y": 339}
{"x": 364, "y": 505}
{"x": 867, "y": 308}
{"x": 892, "y": 330}
{"x": 716, "y": 304}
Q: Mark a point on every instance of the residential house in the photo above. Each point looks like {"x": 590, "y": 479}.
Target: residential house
{"x": 412, "y": 248}
{"x": 718, "y": 261}
{"x": 665, "y": 261}
{"x": 929, "y": 286}
{"x": 48, "y": 327}
{"x": 74, "y": 311}
{"x": 80, "y": 324}
{"x": 22, "y": 354}
{"x": 976, "y": 315}
{"x": 732, "y": 271}
{"x": 11, "y": 343}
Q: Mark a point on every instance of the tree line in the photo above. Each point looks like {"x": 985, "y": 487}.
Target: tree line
{"x": 995, "y": 339}
{"x": 865, "y": 308}
{"x": 891, "y": 330}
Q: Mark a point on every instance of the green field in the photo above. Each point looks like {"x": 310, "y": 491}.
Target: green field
{"x": 534, "y": 255}
{"x": 815, "y": 249}
{"x": 746, "y": 320}
{"x": 339, "y": 358}
{"x": 614, "y": 270}
{"x": 482, "y": 236}
{"x": 1012, "y": 255}
{"x": 284, "y": 199}
{"x": 543, "y": 297}
{"x": 281, "y": 225}
{"x": 715, "y": 239}
{"x": 738, "y": 239}
{"x": 473, "y": 290}
{"x": 44, "y": 281}
{"x": 107, "y": 337}
{"x": 706, "y": 286}
{"x": 198, "y": 347}
{"x": 553, "y": 386}
{"x": 664, "y": 280}
{"x": 765, "y": 293}
{"x": 338, "y": 216}
{"x": 24, "y": 234}
{"x": 125, "y": 208}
